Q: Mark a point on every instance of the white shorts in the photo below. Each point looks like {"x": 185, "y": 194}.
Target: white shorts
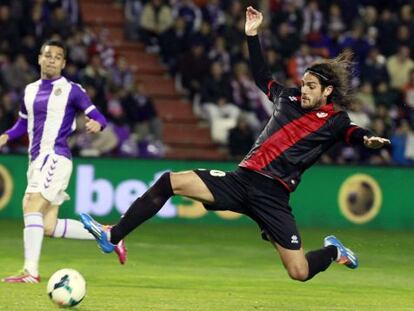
{"x": 50, "y": 175}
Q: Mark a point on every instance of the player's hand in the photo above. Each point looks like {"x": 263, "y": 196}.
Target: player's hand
{"x": 253, "y": 20}
{"x": 92, "y": 126}
{"x": 375, "y": 142}
{"x": 3, "y": 139}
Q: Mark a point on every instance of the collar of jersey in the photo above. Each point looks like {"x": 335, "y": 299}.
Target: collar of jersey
{"x": 327, "y": 108}
{"x": 50, "y": 81}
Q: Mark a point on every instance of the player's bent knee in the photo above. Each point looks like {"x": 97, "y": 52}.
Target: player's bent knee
{"x": 298, "y": 273}
{"x": 49, "y": 229}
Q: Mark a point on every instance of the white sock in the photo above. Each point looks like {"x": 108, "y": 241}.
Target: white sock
{"x": 32, "y": 239}
{"x": 71, "y": 229}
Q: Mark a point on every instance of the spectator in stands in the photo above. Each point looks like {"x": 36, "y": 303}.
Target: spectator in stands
{"x": 121, "y": 76}
{"x": 241, "y": 139}
{"x": 96, "y": 76}
{"x": 194, "y": 67}
{"x": 409, "y": 97}
{"x": 290, "y": 14}
{"x": 18, "y": 74}
{"x": 387, "y": 26}
{"x": 216, "y": 86}
{"x": 247, "y": 96}
{"x": 385, "y": 96}
{"x": 302, "y": 59}
{"x": 358, "y": 115}
{"x": 141, "y": 115}
{"x": 356, "y": 40}
{"x": 219, "y": 53}
{"x": 312, "y": 20}
{"x": 403, "y": 139}
{"x": 188, "y": 11}
{"x": 173, "y": 43}
{"x": 9, "y": 34}
{"x": 214, "y": 15}
{"x": 335, "y": 21}
{"x": 78, "y": 50}
{"x": 275, "y": 64}
{"x": 156, "y": 19}
{"x": 285, "y": 42}
{"x": 59, "y": 23}
{"x": 374, "y": 69}
{"x": 399, "y": 66}
{"x": 366, "y": 96}
{"x": 132, "y": 13}
{"x": 234, "y": 36}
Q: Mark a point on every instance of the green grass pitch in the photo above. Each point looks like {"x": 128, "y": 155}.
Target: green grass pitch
{"x": 215, "y": 267}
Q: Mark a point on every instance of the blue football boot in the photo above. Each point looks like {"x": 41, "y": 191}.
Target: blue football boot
{"x": 345, "y": 255}
{"x": 100, "y": 232}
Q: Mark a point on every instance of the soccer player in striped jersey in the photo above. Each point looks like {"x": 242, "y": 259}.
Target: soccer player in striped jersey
{"x": 306, "y": 122}
{"x": 47, "y": 115}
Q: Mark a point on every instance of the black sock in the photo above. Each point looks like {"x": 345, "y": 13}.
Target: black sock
{"x": 320, "y": 259}
{"x": 143, "y": 208}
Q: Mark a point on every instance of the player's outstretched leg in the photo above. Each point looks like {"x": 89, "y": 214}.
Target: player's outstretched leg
{"x": 99, "y": 231}
{"x": 345, "y": 255}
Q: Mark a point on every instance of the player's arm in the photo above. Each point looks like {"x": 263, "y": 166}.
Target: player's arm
{"x": 354, "y": 135}
{"x": 259, "y": 68}
{"x": 18, "y": 129}
{"x": 95, "y": 120}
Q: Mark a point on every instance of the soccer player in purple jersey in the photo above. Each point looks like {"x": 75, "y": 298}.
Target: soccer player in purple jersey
{"x": 304, "y": 124}
{"x": 47, "y": 115}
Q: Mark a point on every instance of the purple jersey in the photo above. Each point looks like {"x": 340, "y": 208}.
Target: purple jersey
{"x": 50, "y": 108}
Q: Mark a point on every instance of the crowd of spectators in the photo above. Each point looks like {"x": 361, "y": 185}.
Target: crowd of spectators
{"x": 134, "y": 128}
{"x": 203, "y": 44}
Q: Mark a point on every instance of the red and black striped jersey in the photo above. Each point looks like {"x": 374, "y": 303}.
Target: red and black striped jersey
{"x": 294, "y": 138}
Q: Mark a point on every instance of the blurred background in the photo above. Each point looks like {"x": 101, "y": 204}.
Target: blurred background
{"x": 173, "y": 78}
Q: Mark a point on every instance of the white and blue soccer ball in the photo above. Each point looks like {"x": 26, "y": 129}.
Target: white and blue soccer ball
{"x": 66, "y": 287}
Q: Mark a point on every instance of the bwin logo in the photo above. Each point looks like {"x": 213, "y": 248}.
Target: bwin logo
{"x": 294, "y": 239}
{"x": 293, "y": 98}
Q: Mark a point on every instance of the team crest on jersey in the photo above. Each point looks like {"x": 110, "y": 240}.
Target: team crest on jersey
{"x": 321, "y": 114}
{"x": 217, "y": 173}
{"x": 58, "y": 91}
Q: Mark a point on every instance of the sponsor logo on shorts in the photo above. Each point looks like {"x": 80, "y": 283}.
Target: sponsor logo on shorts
{"x": 217, "y": 173}
{"x": 294, "y": 239}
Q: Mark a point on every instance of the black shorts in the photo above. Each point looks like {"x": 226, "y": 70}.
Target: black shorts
{"x": 263, "y": 199}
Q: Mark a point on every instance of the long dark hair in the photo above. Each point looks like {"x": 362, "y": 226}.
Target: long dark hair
{"x": 337, "y": 72}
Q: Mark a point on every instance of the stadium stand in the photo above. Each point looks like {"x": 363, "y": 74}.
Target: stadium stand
{"x": 172, "y": 66}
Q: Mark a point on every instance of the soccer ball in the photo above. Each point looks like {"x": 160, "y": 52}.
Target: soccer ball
{"x": 66, "y": 287}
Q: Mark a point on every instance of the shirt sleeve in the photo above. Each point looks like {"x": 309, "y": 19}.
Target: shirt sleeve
{"x": 349, "y": 132}
{"x": 18, "y": 129}
{"x": 261, "y": 73}
{"x": 82, "y": 102}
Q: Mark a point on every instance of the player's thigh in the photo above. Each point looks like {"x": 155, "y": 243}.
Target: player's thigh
{"x": 189, "y": 184}
{"x": 294, "y": 261}
{"x": 35, "y": 202}
{"x": 50, "y": 216}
